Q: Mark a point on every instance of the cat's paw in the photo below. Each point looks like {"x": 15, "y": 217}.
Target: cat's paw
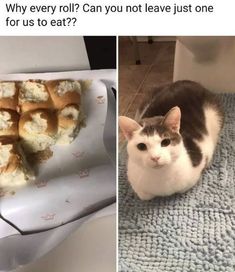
{"x": 145, "y": 196}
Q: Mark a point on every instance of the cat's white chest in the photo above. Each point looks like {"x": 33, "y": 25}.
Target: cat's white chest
{"x": 150, "y": 182}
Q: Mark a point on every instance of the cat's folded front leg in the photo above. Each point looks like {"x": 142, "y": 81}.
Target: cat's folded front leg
{"x": 144, "y": 195}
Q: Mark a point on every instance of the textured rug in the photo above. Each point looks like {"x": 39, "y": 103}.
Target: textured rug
{"x": 190, "y": 232}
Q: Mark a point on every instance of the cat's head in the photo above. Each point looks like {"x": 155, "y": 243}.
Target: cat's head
{"x": 154, "y": 142}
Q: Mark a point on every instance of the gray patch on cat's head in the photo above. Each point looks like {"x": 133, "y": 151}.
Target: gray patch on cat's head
{"x": 155, "y": 125}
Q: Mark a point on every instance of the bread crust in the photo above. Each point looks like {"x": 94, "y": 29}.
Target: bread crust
{"x": 10, "y": 102}
{"x": 11, "y": 131}
{"x": 70, "y": 97}
{"x": 30, "y": 106}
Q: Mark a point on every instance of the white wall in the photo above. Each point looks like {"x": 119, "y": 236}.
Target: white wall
{"x": 42, "y": 54}
{"x": 208, "y": 60}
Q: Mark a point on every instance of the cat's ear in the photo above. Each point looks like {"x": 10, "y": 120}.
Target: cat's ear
{"x": 128, "y": 126}
{"x": 172, "y": 119}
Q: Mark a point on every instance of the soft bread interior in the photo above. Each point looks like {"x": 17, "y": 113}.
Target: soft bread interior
{"x": 70, "y": 112}
{"x": 67, "y": 135}
{"x": 9, "y": 123}
{"x": 5, "y": 153}
{"x": 5, "y": 120}
{"x": 7, "y": 89}
{"x": 13, "y": 167}
{"x": 68, "y": 124}
{"x": 68, "y": 86}
{"x": 38, "y": 130}
{"x": 16, "y": 178}
{"x": 37, "y": 124}
{"x": 37, "y": 143}
{"x": 33, "y": 92}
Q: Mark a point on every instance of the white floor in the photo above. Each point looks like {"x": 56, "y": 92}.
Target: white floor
{"x": 91, "y": 248}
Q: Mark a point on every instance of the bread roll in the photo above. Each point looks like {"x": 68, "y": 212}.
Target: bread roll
{"x": 9, "y": 123}
{"x": 8, "y": 95}
{"x": 38, "y": 129}
{"x": 64, "y": 92}
{"x": 68, "y": 124}
{"x": 14, "y": 170}
{"x": 33, "y": 95}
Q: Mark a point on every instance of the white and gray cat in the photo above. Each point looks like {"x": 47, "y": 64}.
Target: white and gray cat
{"x": 172, "y": 139}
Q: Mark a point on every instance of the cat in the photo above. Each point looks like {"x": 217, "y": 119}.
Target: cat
{"x": 172, "y": 139}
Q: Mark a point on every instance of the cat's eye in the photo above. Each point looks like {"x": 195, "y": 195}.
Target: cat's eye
{"x": 165, "y": 142}
{"x": 142, "y": 146}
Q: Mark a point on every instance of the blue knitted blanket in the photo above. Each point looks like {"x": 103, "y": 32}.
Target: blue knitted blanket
{"x": 192, "y": 232}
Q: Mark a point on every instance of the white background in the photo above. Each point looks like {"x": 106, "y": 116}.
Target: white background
{"x": 220, "y": 22}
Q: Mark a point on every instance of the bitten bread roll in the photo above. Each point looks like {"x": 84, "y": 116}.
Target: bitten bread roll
{"x": 68, "y": 124}
{"x": 33, "y": 95}
{"x": 14, "y": 170}
{"x": 8, "y": 95}
{"x": 38, "y": 130}
{"x": 64, "y": 92}
{"x": 9, "y": 123}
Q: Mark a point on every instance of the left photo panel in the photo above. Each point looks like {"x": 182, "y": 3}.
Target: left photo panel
{"x": 58, "y": 153}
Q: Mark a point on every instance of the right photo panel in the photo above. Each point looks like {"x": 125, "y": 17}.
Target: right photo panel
{"x": 176, "y": 153}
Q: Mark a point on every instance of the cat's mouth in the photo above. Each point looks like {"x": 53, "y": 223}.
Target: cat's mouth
{"x": 157, "y": 166}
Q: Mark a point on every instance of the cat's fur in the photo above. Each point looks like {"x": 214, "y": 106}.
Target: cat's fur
{"x": 187, "y": 115}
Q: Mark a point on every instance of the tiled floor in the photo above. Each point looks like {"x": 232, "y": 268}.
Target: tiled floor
{"x": 156, "y": 68}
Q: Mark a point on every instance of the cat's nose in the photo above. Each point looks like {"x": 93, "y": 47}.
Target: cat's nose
{"x": 155, "y": 158}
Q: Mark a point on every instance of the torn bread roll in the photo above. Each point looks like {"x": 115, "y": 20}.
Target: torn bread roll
{"x": 38, "y": 130}
{"x": 68, "y": 124}
{"x": 8, "y": 95}
{"x": 64, "y": 92}
{"x": 33, "y": 95}
{"x": 9, "y": 123}
{"x": 14, "y": 170}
